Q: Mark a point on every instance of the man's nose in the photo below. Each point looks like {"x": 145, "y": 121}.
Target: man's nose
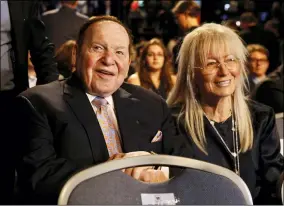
{"x": 108, "y": 58}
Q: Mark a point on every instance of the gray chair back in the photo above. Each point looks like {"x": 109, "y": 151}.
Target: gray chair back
{"x": 198, "y": 183}
{"x": 279, "y": 124}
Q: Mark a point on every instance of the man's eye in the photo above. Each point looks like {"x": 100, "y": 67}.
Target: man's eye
{"x": 97, "y": 48}
{"x": 120, "y": 52}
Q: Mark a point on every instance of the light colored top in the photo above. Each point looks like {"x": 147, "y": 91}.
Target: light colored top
{"x": 32, "y": 81}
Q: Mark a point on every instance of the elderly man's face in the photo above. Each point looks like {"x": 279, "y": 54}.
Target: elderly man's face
{"x": 103, "y": 61}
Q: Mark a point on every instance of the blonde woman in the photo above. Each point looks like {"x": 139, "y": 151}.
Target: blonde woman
{"x": 222, "y": 126}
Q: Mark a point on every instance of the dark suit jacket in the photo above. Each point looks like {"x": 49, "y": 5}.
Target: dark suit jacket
{"x": 28, "y": 33}
{"x": 63, "y": 24}
{"x": 271, "y": 91}
{"x": 260, "y": 168}
{"x": 60, "y": 133}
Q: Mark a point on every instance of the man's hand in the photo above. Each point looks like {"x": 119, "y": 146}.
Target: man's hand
{"x": 116, "y": 156}
{"x": 153, "y": 176}
{"x": 145, "y": 173}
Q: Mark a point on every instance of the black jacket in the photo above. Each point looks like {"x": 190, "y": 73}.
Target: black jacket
{"x": 60, "y": 133}
{"x": 28, "y": 33}
{"x": 271, "y": 91}
{"x": 63, "y": 24}
{"x": 260, "y": 168}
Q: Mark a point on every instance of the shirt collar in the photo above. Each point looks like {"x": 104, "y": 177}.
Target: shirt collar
{"x": 109, "y": 99}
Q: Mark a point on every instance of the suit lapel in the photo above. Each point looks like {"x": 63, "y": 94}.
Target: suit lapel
{"x": 79, "y": 103}
{"x": 128, "y": 123}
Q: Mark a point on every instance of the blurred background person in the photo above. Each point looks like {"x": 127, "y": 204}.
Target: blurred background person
{"x": 31, "y": 72}
{"x": 274, "y": 24}
{"x": 187, "y": 15}
{"x": 167, "y": 24}
{"x": 21, "y": 31}
{"x": 63, "y": 24}
{"x": 65, "y": 58}
{"x": 271, "y": 91}
{"x": 253, "y": 33}
{"x": 155, "y": 70}
{"x": 222, "y": 126}
{"x": 258, "y": 63}
{"x": 232, "y": 24}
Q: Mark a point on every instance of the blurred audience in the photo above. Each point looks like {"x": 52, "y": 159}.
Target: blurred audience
{"x": 187, "y": 17}
{"x": 275, "y": 23}
{"x": 258, "y": 63}
{"x": 63, "y": 24}
{"x": 252, "y": 33}
{"x": 167, "y": 23}
{"x": 155, "y": 70}
{"x": 221, "y": 125}
{"x": 65, "y": 58}
{"x": 136, "y": 20}
{"x": 231, "y": 23}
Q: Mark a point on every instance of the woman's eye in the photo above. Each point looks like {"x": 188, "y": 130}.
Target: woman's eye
{"x": 230, "y": 60}
{"x": 211, "y": 63}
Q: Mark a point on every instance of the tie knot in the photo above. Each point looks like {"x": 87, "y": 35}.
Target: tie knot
{"x": 99, "y": 101}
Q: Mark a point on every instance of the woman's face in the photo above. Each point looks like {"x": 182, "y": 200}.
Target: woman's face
{"x": 155, "y": 57}
{"x": 258, "y": 63}
{"x": 219, "y": 77}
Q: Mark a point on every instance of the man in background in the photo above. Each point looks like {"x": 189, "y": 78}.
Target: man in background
{"x": 63, "y": 24}
{"x": 21, "y": 31}
{"x": 252, "y": 33}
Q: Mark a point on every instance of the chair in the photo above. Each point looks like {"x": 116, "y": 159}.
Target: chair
{"x": 198, "y": 183}
{"x": 279, "y": 124}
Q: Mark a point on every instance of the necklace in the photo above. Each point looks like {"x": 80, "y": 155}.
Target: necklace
{"x": 235, "y": 153}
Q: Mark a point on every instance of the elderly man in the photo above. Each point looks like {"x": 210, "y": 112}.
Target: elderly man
{"x": 72, "y": 124}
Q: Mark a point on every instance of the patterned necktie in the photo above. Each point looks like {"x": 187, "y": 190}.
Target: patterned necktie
{"x": 107, "y": 125}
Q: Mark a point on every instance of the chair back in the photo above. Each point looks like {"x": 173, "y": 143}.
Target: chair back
{"x": 198, "y": 183}
{"x": 279, "y": 124}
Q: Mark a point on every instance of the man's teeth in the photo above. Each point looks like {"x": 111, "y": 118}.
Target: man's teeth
{"x": 224, "y": 83}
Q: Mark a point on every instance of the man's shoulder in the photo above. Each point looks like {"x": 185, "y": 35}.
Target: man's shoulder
{"x": 82, "y": 16}
{"x": 45, "y": 91}
{"x": 259, "y": 110}
{"x": 50, "y": 12}
{"x": 141, "y": 93}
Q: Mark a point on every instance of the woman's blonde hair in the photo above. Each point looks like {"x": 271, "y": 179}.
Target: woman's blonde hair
{"x": 216, "y": 39}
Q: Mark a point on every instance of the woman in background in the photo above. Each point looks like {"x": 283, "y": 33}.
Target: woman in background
{"x": 221, "y": 125}
{"x": 65, "y": 58}
{"x": 155, "y": 69}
